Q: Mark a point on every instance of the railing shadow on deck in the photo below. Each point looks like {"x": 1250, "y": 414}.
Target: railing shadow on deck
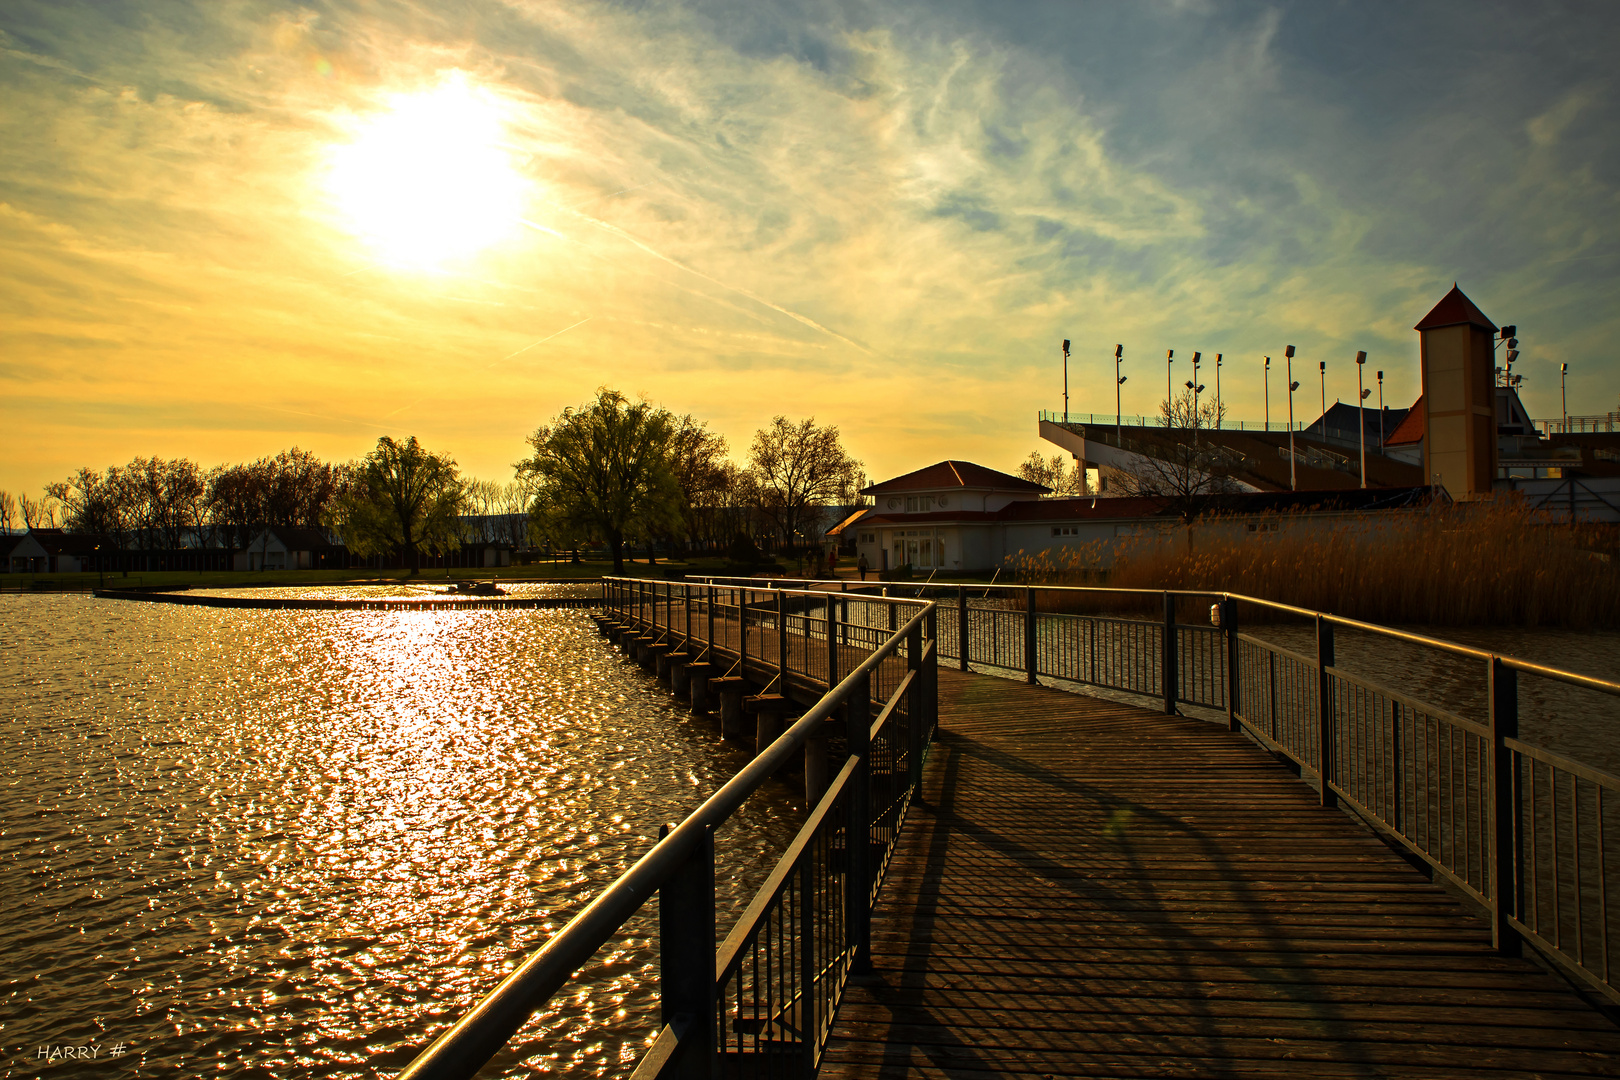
{"x": 762, "y": 1002}
{"x": 1530, "y": 835}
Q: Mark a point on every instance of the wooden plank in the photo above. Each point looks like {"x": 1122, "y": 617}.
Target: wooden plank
{"x": 1089, "y": 889}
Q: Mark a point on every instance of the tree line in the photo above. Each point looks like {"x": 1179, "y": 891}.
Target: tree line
{"x": 611, "y": 471}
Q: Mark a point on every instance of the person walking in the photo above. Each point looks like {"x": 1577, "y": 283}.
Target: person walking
{"x": 862, "y": 564}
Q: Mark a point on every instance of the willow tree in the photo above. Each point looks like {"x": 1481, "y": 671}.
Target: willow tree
{"x": 400, "y": 497}
{"x": 605, "y": 470}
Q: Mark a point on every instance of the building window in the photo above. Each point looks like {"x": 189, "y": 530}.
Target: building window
{"x": 1065, "y": 530}
{"x": 1262, "y": 526}
{"x": 917, "y": 504}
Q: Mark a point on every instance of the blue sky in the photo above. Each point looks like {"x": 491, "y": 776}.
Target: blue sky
{"x": 884, "y": 215}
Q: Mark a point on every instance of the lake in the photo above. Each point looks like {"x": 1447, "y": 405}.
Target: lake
{"x": 258, "y": 842}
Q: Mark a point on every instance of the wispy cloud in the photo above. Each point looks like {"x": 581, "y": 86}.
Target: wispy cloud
{"x": 886, "y": 215}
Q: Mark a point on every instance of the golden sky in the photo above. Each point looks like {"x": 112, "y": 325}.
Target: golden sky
{"x": 227, "y": 229}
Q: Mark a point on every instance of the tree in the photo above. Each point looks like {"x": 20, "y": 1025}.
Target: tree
{"x": 604, "y": 470}
{"x": 8, "y": 510}
{"x": 1053, "y": 473}
{"x": 98, "y": 505}
{"x": 1187, "y": 411}
{"x": 401, "y": 498}
{"x": 799, "y": 466}
{"x": 697, "y": 457}
{"x": 1183, "y": 473}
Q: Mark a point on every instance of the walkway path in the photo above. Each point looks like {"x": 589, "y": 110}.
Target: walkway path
{"x": 1091, "y": 889}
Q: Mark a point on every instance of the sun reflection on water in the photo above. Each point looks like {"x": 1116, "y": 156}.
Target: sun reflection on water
{"x": 248, "y": 841}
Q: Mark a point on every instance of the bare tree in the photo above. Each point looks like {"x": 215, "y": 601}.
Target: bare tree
{"x": 797, "y": 466}
{"x": 1186, "y": 410}
{"x": 8, "y": 510}
{"x": 1178, "y": 470}
{"x": 33, "y": 512}
{"x": 1053, "y": 472}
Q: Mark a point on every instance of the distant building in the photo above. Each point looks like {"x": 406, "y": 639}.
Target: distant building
{"x": 286, "y": 548}
{"x": 958, "y": 517}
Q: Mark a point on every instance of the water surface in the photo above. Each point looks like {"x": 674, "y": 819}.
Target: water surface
{"x": 252, "y": 843}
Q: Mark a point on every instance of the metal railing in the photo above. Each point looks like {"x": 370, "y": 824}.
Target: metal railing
{"x": 761, "y": 1002}
{"x": 1531, "y": 835}
{"x": 1058, "y": 416}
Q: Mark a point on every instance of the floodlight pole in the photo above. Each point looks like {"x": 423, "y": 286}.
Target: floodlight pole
{"x": 1361, "y": 420}
{"x": 1268, "y": 393}
{"x": 1065, "y": 380}
{"x": 1380, "y": 412}
{"x": 1169, "y": 394}
{"x": 1322, "y": 369}
{"x": 1119, "y": 414}
{"x": 1217, "y": 391}
{"x": 1293, "y": 477}
{"x": 1563, "y": 393}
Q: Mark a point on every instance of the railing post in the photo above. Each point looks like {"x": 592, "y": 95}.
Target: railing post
{"x": 809, "y": 1022}
{"x": 781, "y": 642}
{"x": 742, "y": 632}
{"x": 832, "y": 640}
{"x": 931, "y": 680}
{"x": 686, "y": 987}
{"x": 1169, "y": 658}
{"x": 708, "y": 653}
{"x": 916, "y": 706}
{"x": 1397, "y": 766}
{"x": 1324, "y": 725}
{"x": 858, "y": 826}
{"x": 1234, "y": 682}
{"x": 1505, "y": 869}
{"x": 961, "y": 627}
{"x": 1031, "y": 651}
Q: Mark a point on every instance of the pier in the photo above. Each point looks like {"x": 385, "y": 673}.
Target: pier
{"x": 1270, "y": 864}
{"x": 1091, "y": 889}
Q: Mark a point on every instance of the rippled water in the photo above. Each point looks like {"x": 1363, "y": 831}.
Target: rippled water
{"x": 250, "y": 842}
{"x": 420, "y": 589}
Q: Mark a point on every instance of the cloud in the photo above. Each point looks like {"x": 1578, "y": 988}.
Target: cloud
{"x": 886, "y": 216}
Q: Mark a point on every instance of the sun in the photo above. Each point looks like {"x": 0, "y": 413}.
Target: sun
{"x": 429, "y": 179}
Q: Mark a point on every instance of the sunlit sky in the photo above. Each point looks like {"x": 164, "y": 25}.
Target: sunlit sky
{"x": 230, "y": 227}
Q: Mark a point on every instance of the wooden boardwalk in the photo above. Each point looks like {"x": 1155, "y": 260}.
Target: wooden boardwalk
{"x": 1091, "y": 889}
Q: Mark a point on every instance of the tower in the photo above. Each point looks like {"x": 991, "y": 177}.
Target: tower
{"x": 1459, "y": 397}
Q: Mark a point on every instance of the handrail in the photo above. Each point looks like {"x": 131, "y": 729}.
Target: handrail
{"x": 462, "y": 1049}
{"x": 1453, "y": 647}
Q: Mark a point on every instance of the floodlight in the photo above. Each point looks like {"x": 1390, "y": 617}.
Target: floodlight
{"x": 1361, "y": 357}
{"x": 1119, "y": 351}
{"x": 1512, "y": 355}
{"x": 1189, "y": 384}
{"x": 1365, "y": 394}
{"x": 1289, "y": 352}
{"x": 1294, "y": 385}
{"x": 1509, "y": 331}
{"x": 1122, "y": 379}
{"x": 1065, "y": 346}
{"x": 1196, "y": 355}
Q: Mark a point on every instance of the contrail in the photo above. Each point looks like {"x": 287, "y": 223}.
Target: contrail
{"x": 542, "y": 341}
{"x": 502, "y": 360}
{"x": 739, "y": 290}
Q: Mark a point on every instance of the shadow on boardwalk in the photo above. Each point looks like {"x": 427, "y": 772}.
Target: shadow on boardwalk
{"x": 1091, "y": 889}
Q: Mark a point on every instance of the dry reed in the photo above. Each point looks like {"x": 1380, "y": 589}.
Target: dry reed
{"x": 1472, "y": 564}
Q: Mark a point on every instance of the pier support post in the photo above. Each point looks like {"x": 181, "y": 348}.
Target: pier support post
{"x": 858, "y": 825}
{"x": 1324, "y": 692}
{"x": 1506, "y": 841}
{"x": 686, "y": 933}
{"x": 680, "y": 678}
{"x": 815, "y": 768}
{"x": 698, "y": 688}
{"x": 767, "y": 729}
{"x": 731, "y": 710}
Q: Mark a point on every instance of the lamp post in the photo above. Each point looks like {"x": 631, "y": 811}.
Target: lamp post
{"x": 1217, "y": 391}
{"x": 1321, "y": 366}
{"x": 1119, "y": 381}
{"x": 1380, "y": 412}
{"x": 1065, "y": 380}
{"x": 1361, "y": 418}
{"x": 1197, "y": 360}
{"x": 1293, "y": 476}
{"x": 1169, "y": 394}
{"x": 1268, "y": 393}
{"x": 1563, "y": 393}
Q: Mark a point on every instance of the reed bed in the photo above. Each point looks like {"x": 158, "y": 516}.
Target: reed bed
{"x": 1469, "y": 564}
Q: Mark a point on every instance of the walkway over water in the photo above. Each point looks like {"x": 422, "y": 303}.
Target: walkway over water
{"x": 1087, "y": 888}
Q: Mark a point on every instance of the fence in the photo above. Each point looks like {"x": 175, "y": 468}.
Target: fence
{"x": 1530, "y": 834}
{"x": 1058, "y": 416}
{"x": 760, "y": 1004}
